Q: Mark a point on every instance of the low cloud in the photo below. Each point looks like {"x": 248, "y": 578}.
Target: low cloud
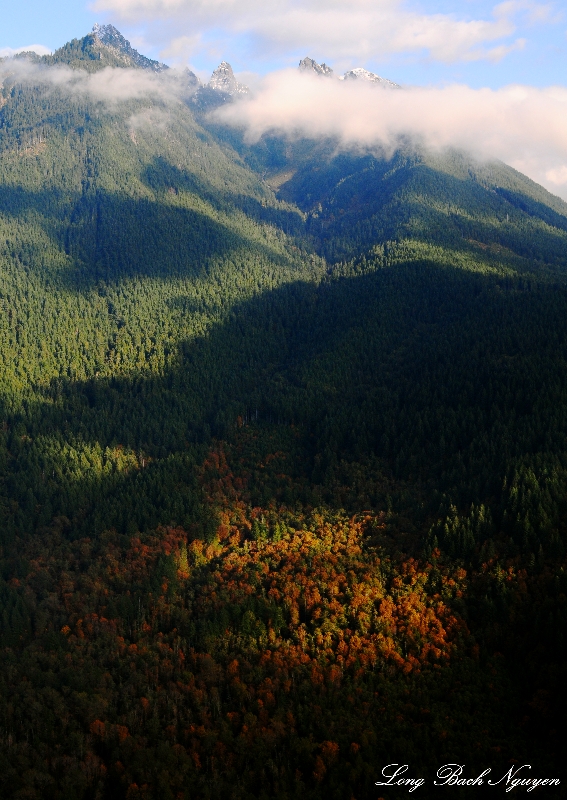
{"x": 149, "y": 118}
{"x": 353, "y": 31}
{"x": 523, "y": 126}
{"x": 40, "y": 49}
{"x": 109, "y": 85}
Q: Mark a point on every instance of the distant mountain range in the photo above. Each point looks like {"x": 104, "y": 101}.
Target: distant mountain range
{"x": 308, "y": 65}
{"x": 107, "y": 46}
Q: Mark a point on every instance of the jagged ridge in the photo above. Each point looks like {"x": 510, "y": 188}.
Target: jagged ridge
{"x": 111, "y": 37}
{"x": 309, "y": 65}
{"x": 359, "y": 73}
{"x": 223, "y": 80}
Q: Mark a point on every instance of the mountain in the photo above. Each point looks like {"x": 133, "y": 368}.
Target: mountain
{"x": 308, "y": 65}
{"x": 360, "y": 74}
{"x": 282, "y": 449}
{"x": 223, "y": 80}
{"x": 103, "y": 47}
{"x": 221, "y": 88}
{"x": 450, "y": 200}
{"x": 112, "y": 39}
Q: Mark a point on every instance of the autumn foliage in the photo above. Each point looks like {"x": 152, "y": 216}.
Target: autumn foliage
{"x": 288, "y": 651}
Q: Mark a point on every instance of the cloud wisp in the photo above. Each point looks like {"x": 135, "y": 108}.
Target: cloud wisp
{"x": 40, "y": 49}
{"x": 109, "y": 85}
{"x": 521, "y": 125}
{"x": 341, "y": 30}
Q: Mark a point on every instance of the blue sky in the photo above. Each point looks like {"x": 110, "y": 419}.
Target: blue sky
{"x": 427, "y": 42}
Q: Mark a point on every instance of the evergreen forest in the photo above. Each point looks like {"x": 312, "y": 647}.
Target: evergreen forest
{"x": 283, "y": 455}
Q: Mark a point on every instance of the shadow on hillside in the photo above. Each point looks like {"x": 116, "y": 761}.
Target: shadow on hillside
{"x": 446, "y": 376}
{"x": 358, "y": 201}
{"x": 534, "y": 208}
{"x": 111, "y": 237}
{"x": 161, "y": 176}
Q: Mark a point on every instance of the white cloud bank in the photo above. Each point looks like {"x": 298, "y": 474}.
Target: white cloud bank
{"x": 351, "y": 31}
{"x": 523, "y": 126}
{"x": 40, "y": 49}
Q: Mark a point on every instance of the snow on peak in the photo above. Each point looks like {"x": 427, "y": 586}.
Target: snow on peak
{"x": 308, "y": 65}
{"x": 223, "y": 80}
{"x": 111, "y": 37}
{"x": 359, "y": 73}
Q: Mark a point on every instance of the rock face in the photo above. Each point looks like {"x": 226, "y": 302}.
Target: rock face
{"x": 223, "y": 81}
{"x": 111, "y": 37}
{"x": 191, "y": 80}
{"x": 361, "y": 74}
{"x": 309, "y": 65}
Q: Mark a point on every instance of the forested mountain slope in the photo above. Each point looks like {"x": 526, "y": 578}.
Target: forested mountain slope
{"x": 282, "y": 452}
{"x": 355, "y": 199}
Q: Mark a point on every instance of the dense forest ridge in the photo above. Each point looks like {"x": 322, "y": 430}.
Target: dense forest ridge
{"x": 308, "y": 65}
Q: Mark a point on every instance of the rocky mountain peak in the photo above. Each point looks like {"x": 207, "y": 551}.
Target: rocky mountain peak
{"x": 223, "y": 80}
{"x": 309, "y": 65}
{"x": 111, "y": 37}
{"x": 364, "y": 75}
